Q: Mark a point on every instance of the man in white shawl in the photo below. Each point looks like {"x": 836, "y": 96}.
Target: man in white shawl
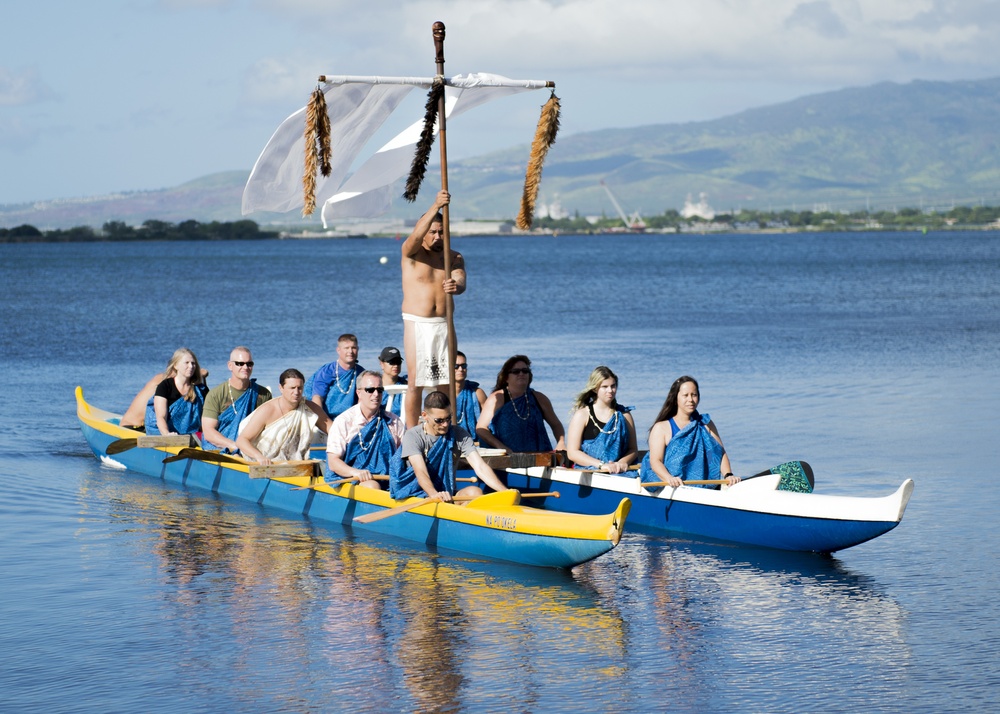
{"x": 282, "y": 429}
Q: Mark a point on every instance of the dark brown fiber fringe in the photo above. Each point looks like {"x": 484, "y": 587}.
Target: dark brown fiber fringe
{"x": 419, "y": 166}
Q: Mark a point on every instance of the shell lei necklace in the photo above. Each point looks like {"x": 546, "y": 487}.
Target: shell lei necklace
{"x": 527, "y": 413}
{"x": 611, "y": 423}
{"x": 336, "y": 378}
{"x": 361, "y": 441}
{"x": 232, "y": 402}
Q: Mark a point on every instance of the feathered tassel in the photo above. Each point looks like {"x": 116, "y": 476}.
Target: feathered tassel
{"x": 323, "y": 135}
{"x": 419, "y": 166}
{"x": 314, "y": 111}
{"x": 545, "y": 137}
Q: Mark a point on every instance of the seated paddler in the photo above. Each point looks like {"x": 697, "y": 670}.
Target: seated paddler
{"x": 364, "y": 438}
{"x": 684, "y": 445}
{"x": 469, "y": 396}
{"x": 391, "y": 361}
{"x": 135, "y": 416}
{"x": 177, "y": 403}
{"x": 334, "y": 385}
{"x": 282, "y": 428}
{"x": 424, "y": 465}
{"x": 514, "y": 415}
{"x": 601, "y": 433}
{"x": 230, "y": 402}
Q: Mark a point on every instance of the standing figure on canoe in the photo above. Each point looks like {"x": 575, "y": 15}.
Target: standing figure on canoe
{"x": 684, "y": 445}
{"x": 333, "y": 386}
{"x": 177, "y": 403}
{"x": 425, "y": 327}
{"x": 424, "y": 464}
{"x": 469, "y": 395}
{"x": 364, "y": 438}
{"x": 282, "y": 429}
{"x": 601, "y": 432}
{"x": 514, "y": 415}
{"x": 231, "y": 402}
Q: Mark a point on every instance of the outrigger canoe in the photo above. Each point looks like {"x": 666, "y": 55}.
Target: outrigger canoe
{"x": 493, "y": 526}
{"x": 753, "y": 512}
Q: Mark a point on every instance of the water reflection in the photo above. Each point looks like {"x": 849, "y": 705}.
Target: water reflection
{"x": 362, "y": 621}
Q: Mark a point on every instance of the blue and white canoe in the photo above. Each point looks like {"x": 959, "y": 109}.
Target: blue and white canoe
{"x": 492, "y": 526}
{"x": 753, "y": 512}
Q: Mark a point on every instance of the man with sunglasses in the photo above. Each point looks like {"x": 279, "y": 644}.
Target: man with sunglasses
{"x": 424, "y": 465}
{"x": 229, "y": 403}
{"x": 363, "y": 438}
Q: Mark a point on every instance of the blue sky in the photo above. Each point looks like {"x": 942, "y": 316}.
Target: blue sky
{"x": 102, "y": 96}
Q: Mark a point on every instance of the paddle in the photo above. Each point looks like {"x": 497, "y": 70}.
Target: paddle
{"x": 705, "y": 482}
{"x": 150, "y": 441}
{"x": 377, "y": 477}
{"x": 388, "y": 513}
{"x": 201, "y": 455}
{"x": 796, "y": 476}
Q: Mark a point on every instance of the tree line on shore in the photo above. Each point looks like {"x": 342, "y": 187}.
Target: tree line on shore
{"x": 748, "y": 219}
{"x": 149, "y": 230}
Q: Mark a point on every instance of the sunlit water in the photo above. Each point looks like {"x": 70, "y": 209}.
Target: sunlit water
{"x": 872, "y": 356}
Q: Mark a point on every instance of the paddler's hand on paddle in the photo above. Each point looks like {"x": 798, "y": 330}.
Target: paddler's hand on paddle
{"x": 362, "y": 475}
{"x": 673, "y": 482}
{"x": 441, "y": 496}
{"x": 731, "y": 479}
{"x": 615, "y": 467}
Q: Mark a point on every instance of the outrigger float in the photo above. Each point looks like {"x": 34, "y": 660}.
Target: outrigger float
{"x": 754, "y": 512}
{"x": 492, "y": 526}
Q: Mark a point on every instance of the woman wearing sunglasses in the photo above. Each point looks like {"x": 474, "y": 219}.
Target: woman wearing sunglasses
{"x": 514, "y": 415}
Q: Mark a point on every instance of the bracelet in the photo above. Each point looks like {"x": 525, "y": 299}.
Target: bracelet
{"x": 727, "y": 475}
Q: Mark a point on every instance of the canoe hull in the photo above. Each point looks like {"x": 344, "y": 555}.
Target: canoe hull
{"x": 749, "y": 513}
{"x": 496, "y": 527}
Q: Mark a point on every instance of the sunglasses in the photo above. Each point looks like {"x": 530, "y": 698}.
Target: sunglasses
{"x": 372, "y": 390}
{"x": 520, "y": 370}
{"x": 442, "y": 420}
{"x": 243, "y": 364}
{"x": 464, "y": 365}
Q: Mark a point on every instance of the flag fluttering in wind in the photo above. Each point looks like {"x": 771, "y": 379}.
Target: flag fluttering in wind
{"x": 356, "y": 108}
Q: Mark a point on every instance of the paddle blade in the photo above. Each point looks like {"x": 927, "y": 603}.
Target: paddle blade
{"x": 120, "y": 445}
{"x": 796, "y": 476}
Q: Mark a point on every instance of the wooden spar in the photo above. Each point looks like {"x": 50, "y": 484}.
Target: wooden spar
{"x": 449, "y": 301}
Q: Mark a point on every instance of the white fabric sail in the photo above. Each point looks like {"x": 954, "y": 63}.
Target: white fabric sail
{"x": 357, "y": 107}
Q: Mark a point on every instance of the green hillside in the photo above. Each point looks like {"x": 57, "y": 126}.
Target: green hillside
{"x": 922, "y": 144}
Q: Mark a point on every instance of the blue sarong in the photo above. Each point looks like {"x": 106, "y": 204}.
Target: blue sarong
{"x": 341, "y": 387}
{"x": 692, "y": 454}
{"x": 230, "y": 418}
{"x": 440, "y": 467}
{"x": 467, "y": 409}
{"x": 394, "y": 402}
{"x": 371, "y": 449}
{"x": 519, "y": 424}
{"x": 611, "y": 443}
{"x": 183, "y": 417}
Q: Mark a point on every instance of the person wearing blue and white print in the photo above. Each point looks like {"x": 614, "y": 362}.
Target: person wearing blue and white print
{"x": 601, "y": 432}
{"x": 363, "y": 439}
{"x": 683, "y": 443}
{"x": 334, "y": 385}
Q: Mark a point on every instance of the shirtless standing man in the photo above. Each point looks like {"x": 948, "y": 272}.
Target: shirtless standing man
{"x": 425, "y": 287}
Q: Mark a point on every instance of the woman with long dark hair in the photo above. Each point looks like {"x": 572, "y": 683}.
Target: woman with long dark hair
{"x": 514, "y": 415}
{"x": 683, "y": 443}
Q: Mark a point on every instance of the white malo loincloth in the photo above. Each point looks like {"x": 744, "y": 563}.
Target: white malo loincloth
{"x": 288, "y": 438}
{"x": 430, "y": 335}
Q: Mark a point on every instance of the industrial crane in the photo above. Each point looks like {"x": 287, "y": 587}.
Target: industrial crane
{"x": 635, "y": 223}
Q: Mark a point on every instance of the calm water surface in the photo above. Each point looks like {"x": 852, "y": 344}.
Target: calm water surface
{"x": 872, "y": 356}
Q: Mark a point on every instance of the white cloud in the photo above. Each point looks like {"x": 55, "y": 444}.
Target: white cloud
{"x": 21, "y": 87}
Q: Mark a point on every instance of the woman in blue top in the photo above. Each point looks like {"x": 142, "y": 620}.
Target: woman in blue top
{"x": 177, "y": 404}
{"x": 514, "y": 415}
{"x": 601, "y": 433}
{"x": 683, "y": 444}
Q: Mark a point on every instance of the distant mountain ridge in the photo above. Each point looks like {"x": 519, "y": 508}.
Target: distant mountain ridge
{"x": 911, "y": 144}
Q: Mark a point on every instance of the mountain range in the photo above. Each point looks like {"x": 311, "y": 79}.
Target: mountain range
{"x": 920, "y": 144}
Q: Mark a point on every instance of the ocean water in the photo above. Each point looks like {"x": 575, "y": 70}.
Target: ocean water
{"x": 871, "y": 356}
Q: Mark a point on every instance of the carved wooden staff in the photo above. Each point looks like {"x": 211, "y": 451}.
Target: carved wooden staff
{"x": 438, "y": 32}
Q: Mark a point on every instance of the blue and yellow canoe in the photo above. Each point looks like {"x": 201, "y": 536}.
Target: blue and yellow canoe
{"x": 493, "y": 526}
